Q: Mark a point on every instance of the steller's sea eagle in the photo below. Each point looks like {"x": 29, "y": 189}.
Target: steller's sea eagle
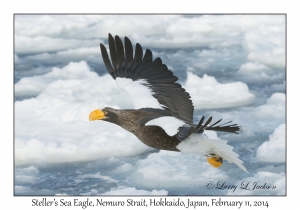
{"x": 163, "y": 111}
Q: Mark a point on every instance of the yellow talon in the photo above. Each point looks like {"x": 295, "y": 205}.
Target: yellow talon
{"x": 215, "y": 161}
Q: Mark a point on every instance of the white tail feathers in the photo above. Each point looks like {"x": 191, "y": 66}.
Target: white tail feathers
{"x": 200, "y": 144}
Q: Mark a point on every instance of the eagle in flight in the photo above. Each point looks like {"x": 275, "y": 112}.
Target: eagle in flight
{"x": 162, "y": 117}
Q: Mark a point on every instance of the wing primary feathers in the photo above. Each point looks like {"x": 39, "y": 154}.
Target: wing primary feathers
{"x": 133, "y": 66}
{"x": 207, "y": 122}
{"x": 147, "y": 58}
{"x": 113, "y": 51}
{"x": 120, "y": 51}
{"x": 233, "y": 128}
{"x": 228, "y": 129}
{"x": 137, "y": 57}
{"x": 216, "y": 122}
{"x": 165, "y": 80}
{"x": 199, "y": 124}
{"x": 106, "y": 60}
{"x": 161, "y": 69}
{"x": 225, "y": 123}
{"x": 146, "y": 65}
{"x": 129, "y": 55}
{"x": 128, "y": 49}
{"x": 138, "y": 52}
{"x": 149, "y": 68}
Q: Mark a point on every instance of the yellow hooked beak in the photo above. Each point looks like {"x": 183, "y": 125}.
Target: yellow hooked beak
{"x": 215, "y": 161}
{"x": 97, "y": 115}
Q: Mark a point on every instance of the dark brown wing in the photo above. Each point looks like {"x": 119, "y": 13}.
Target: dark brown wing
{"x": 170, "y": 95}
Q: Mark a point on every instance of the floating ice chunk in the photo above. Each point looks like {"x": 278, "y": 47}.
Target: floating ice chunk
{"x": 273, "y": 109}
{"x": 257, "y": 72}
{"x": 250, "y": 67}
{"x": 32, "y": 86}
{"x": 207, "y": 92}
{"x": 273, "y": 150}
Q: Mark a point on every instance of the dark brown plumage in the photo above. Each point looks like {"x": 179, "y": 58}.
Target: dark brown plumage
{"x": 134, "y": 122}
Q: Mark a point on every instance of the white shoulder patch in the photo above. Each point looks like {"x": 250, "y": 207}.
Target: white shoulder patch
{"x": 168, "y": 123}
{"x": 204, "y": 144}
{"x": 140, "y": 94}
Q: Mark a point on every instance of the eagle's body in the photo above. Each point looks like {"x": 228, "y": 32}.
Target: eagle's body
{"x": 134, "y": 121}
{"x": 163, "y": 114}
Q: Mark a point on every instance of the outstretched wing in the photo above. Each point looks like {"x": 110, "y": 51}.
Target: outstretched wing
{"x": 150, "y": 84}
{"x": 232, "y": 128}
{"x": 186, "y": 130}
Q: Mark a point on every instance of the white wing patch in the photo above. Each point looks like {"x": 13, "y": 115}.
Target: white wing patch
{"x": 211, "y": 134}
{"x": 168, "y": 123}
{"x": 140, "y": 94}
{"x": 199, "y": 143}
